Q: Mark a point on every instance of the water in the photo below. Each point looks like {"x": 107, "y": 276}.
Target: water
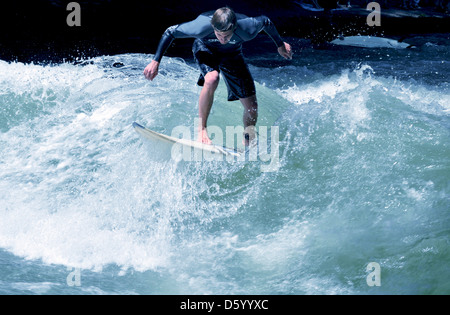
{"x": 364, "y": 177}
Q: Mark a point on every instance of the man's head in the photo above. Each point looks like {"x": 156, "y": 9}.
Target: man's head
{"x": 224, "y": 22}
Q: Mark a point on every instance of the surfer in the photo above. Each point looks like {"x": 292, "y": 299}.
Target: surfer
{"x": 217, "y": 49}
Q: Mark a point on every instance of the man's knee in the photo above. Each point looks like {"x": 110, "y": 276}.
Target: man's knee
{"x": 212, "y": 80}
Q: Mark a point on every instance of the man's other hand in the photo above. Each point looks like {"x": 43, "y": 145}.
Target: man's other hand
{"x": 151, "y": 71}
{"x": 285, "y": 51}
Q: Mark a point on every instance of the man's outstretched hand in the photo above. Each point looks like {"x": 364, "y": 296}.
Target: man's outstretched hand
{"x": 285, "y": 51}
{"x": 151, "y": 71}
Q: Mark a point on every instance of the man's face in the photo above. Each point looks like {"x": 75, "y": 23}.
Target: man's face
{"x": 224, "y": 37}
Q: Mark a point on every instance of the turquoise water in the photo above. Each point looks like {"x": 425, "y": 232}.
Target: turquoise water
{"x": 363, "y": 177}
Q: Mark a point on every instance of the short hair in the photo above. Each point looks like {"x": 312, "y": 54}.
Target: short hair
{"x": 224, "y": 20}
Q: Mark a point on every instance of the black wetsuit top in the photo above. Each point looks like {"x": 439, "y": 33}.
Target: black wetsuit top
{"x": 247, "y": 29}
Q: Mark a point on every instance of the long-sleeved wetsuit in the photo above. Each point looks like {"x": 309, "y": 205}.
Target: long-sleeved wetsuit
{"x": 211, "y": 55}
{"x": 200, "y": 28}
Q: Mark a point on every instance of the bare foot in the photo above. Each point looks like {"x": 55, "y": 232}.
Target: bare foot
{"x": 203, "y": 137}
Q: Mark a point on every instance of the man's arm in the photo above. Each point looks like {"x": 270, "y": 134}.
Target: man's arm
{"x": 165, "y": 42}
{"x": 284, "y": 49}
{"x": 263, "y": 23}
{"x": 266, "y": 24}
{"x": 195, "y": 29}
{"x": 151, "y": 71}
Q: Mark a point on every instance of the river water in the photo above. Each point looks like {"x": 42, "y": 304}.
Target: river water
{"x": 363, "y": 176}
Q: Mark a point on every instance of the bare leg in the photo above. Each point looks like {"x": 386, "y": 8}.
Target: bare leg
{"x": 250, "y": 117}
{"x": 205, "y": 103}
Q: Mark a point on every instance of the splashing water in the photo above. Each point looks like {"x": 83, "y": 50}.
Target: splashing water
{"x": 364, "y": 177}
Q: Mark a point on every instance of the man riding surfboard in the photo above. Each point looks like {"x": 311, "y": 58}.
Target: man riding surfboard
{"x": 217, "y": 49}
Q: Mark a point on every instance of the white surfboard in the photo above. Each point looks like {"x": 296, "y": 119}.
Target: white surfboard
{"x": 167, "y": 141}
{"x": 370, "y": 42}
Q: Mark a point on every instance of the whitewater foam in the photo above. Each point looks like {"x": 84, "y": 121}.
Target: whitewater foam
{"x": 363, "y": 177}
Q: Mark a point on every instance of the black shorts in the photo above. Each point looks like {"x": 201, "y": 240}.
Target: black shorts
{"x": 234, "y": 70}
